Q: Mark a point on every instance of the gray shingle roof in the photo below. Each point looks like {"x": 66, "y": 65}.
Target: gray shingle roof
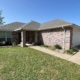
{"x": 54, "y": 24}
{"x": 35, "y": 25}
{"x": 31, "y": 26}
{"x": 12, "y": 26}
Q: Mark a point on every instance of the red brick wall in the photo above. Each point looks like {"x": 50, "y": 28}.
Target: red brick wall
{"x": 55, "y": 36}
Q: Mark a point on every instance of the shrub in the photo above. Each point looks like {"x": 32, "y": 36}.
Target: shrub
{"x": 45, "y": 46}
{"x": 13, "y": 43}
{"x": 58, "y": 46}
{"x": 69, "y": 51}
{"x": 39, "y": 43}
{"x": 4, "y": 43}
{"x": 75, "y": 49}
{"x": 52, "y": 48}
{"x": 0, "y": 43}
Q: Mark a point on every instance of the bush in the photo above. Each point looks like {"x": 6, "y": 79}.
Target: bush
{"x": 0, "y": 43}
{"x": 45, "y": 46}
{"x": 8, "y": 43}
{"x": 58, "y": 46}
{"x": 39, "y": 43}
{"x": 4, "y": 43}
{"x": 13, "y": 43}
{"x": 69, "y": 51}
{"x": 75, "y": 49}
{"x": 52, "y": 48}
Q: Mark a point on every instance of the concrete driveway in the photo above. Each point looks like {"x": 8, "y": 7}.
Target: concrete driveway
{"x": 73, "y": 58}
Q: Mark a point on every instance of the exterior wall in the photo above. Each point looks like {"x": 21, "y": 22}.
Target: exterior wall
{"x": 36, "y": 36}
{"x": 15, "y": 37}
{"x": 51, "y": 37}
{"x": 76, "y": 37}
{"x": 56, "y": 36}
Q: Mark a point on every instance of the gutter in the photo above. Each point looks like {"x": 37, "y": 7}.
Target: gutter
{"x": 64, "y": 39}
{"x": 17, "y": 29}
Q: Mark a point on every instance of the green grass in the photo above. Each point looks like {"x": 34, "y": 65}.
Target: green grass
{"x": 18, "y": 63}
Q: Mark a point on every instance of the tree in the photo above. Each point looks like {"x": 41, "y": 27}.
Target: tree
{"x": 1, "y": 18}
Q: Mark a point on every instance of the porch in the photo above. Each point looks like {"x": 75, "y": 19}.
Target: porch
{"x": 25, "y": 37}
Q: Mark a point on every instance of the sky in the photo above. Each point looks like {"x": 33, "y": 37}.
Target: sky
{"x": 40, "y": 10}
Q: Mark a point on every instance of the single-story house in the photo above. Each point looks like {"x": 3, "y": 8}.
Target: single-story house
{"x": 66, "y": 34}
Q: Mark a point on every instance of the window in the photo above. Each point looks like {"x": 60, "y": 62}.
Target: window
{"x": 5, "y": 36}
{"x": 8, "y": 36}
{"x": 2, "y": 36}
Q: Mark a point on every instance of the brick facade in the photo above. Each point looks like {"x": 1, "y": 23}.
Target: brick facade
{"x": 49, "y": 37}
{"x": 24, "y": 37}
{"x": 55, "y": 36}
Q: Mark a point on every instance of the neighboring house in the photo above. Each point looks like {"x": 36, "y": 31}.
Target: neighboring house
{"x": 66, "y": 34}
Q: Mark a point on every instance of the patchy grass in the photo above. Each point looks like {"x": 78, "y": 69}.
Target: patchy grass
{"x": 18, "y": 63}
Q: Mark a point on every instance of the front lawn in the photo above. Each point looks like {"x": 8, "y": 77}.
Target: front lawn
{"x": 18, "y": 63}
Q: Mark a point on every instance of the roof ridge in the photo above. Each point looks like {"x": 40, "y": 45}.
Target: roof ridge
{"x": 54, "y": 24}
{"x": 26, "y": 24}
{"x": 56, "y": 20}
{"x": 13, "y": 22}
{"x": 29, "y": 23}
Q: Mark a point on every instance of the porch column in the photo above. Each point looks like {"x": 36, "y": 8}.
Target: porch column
{"x": 35, "y": 37}
{"x": 23, "y": 38}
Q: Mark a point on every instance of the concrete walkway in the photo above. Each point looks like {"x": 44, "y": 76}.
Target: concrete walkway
{"x": 73, "y": 58}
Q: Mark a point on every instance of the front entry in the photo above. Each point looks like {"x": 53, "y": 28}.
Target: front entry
{"x": 30, "y": 36}
{"x": 19, "y": 37}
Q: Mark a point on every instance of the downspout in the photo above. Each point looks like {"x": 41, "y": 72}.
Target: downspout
{"x": 63, "y": 40}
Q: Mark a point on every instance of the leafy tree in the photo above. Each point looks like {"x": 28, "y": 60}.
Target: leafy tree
{"x": 1, "y": 18}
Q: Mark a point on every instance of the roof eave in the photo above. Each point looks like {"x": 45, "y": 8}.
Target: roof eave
{"x": 25, "y": 29}
{"x": 69, "y": 25}
{"x": 76, "y": 26}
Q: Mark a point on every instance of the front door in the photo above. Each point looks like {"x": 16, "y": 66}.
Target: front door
{"x": 19, "y": 37}
{"x": 30, "y": 36}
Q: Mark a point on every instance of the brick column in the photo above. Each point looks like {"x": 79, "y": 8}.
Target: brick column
{"x": 23, "y": 38}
